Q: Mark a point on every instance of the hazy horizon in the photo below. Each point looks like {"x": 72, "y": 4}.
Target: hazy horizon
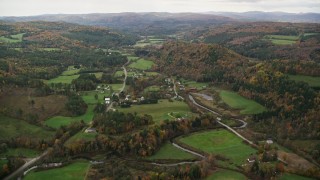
{"x": 42, "y": 7}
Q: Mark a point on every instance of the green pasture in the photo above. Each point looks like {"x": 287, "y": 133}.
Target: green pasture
{"x": 287, "y": 176}
{"x": 12, "y": 128}
{"x": 226, "y": 175}
{"x": 282, "y": 39}
{"x": 159, "y": 111}
{"x": 220, "y": 142}
{"x": 74, "y": 171}
{"x": 62, "y": 79}
{"x": 89, "y": 96}
{"x": 29, "y": 153}
{"x": 236, "y": 101}
{"x": 58, "y": 121}
{"x": 168, "y": 151}
{"x": 141, "y": 64}
{"x": 81, "y": 136}
{"x": 12, "y": 39}
{"x": 312, "y": 81}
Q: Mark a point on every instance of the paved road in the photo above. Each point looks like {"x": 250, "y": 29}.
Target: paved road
{"x": 125, "y": 75}
{"x": 25, "y": 166}
{"x": 244, "y": 124}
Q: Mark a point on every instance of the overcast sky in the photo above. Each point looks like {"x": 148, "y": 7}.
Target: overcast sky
{"x": 38, "y": 7}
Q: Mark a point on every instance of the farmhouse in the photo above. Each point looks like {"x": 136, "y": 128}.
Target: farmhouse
{"x": 269, "y": 141}
{"x": 107, "y": 100}
{"x": 90, "y": 130}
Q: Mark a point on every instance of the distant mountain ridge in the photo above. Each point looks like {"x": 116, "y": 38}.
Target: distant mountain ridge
{"x": 272, "y": 16}
{"x": 134, "y": 22}
{"x": 150, "y": 23}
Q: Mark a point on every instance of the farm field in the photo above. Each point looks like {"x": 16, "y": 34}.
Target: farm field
{"x": 220, "y": 142}
{"x": 159, "y": 111}
{"x": 282, "y": 40}
{"x": 194, "y": 84}
{"x": 119, "y": 74}
{"x": 152, "y": 88}
{"x": 89, "y": 96}
{"x": 141, "y": 64}
{"x": 116, "y": 87}
{"x": 29, "y": 153}
{"x": 287, "y": 176}
{"x": 226, "y": 175}
{"x": 59, "y": 121}
{"x": 81, "y": 136}
{"x": 236, "y": 101}
{"x": 11, "y": 128}
{"x": 71, "y": 71}
{"x": 12, "y": 39}
{"x": 62, "y": 79}
{"x": 74, "y": 171}
{"x": 312, "y": 81}
{"x": 168, "y": 151}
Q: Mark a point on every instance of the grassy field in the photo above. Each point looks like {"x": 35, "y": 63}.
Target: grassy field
{"x": 220, "y": 142}
{"x": 12, "y": 39}
{"x": 194, "y": 84}
{"x": 282, "y": 40}
{"x": 287, "y": 176}
{"x": 62, "y": 79}
{"x": 74, "y": 171}
{"x": 119, "y": 74}
{"x": 59, "y": 121}
{"x": 142, "y": 64}
{"x": 312, "y": 81}
{"x": 49, "y": 49}
{"x": 81, "y": 136}
{"x": 116, "y": 87}
{"x": 159, "y": 111}
{"x": 168, "y": 151}
{"x": 29, "y": 153}
{"x": 236, "y": 101}
{"x": 71, "y": 71}
{"x": 11, "y": 128}
{"x": 152, "y": 88}
{"x": 226, "y": 175}
{"x": 88, "y": 96}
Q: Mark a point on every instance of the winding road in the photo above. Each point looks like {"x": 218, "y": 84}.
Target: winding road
{"x": 125, "y": 75}
{"x": 244, "y": 124}
{"x": 25, "y": 166}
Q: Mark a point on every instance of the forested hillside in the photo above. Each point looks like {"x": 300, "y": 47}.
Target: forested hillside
{"x": 293, "y": 106}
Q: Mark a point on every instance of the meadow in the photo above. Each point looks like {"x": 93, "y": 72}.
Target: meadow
{"x": 152, "y": 89}
{"x": 74, "y": 171}
{"x": 11, "y": 128}
{"x": 58, "y": 121}
{"x": 62, "y": 79}
{"x": 282, "y": 39}
{"x": 287, "y": 176}
{"x": 194, "y": 84}
{"x": 141, "y": 64}
{"x": 236, "y": 101}
{"x": 159, "y": 111}
{"x": 12, "y": 39}
{"x": 168, "y": 151}
{"x": 80, "y": 136}
{"x": 29, "y": 153}
{"x": 312, "y": 81}
{"x": 89, "y": 96}
{"x": 220, "y": 142}
{"x": 226, "y": 175}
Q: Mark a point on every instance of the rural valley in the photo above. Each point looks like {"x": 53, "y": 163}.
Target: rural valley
{"x": 160, "y": 96}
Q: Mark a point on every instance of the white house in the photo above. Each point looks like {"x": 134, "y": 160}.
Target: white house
{"x": 107, "y": 100}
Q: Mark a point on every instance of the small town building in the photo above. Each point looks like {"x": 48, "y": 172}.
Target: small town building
{"x": 107, "y": 100}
